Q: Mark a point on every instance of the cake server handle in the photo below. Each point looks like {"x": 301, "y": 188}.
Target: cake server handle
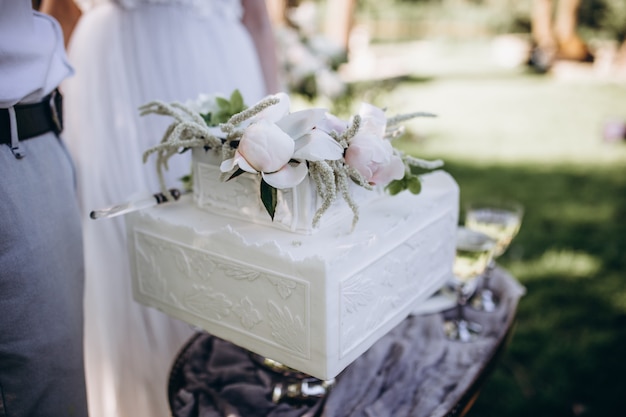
{"x": 149, "y": 200}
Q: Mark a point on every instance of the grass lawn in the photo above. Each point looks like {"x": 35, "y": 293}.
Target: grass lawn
{"x": 566, "y": 356}
{"x": 539, "y": 140}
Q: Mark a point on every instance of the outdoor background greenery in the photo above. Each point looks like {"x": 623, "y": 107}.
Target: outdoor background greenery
{"x": 398, "y": 19}
{"x": 537, "y": 139}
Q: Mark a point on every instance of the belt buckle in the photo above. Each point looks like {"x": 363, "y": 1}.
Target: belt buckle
{"x": 56, "y": 115}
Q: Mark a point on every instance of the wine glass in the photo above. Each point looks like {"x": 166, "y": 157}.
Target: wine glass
{"x": 500, "y": 220}
{"x": 473, "y": 253}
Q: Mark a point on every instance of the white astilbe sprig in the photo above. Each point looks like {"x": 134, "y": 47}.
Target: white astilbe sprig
{"x": 394, "y": 130}
{"x": 187, "y": 131}
{"x": 241, "y": 117}
{"x": 348, "y": 133}
{"x": 333, "y": 177}
{"x": 343, "y": 186}
{"x": 323, "y": 175}
{"x": 396, "y": 120}
{"x": 421, "y": 163}
{"x": 190, "y": 130}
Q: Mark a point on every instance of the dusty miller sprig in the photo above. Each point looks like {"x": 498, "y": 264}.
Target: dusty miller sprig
{"x": 190, "y": 130}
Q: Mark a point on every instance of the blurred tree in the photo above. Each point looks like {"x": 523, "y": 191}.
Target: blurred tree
{"x": 604, "y": 18}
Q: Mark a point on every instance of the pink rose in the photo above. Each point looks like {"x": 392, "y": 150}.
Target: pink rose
{"x": 370, "y": 153}
{"x": 373, "y": 158}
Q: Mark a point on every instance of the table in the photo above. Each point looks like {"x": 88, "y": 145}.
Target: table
{"x": 412, "y": 371}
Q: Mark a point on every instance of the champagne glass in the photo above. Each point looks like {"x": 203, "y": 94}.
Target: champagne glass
{"x": 473, "y": 253}
{"x": 501, "y": 221}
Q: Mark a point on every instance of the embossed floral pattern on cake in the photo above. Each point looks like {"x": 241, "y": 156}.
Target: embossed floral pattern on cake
{"x": 368, "y": 299}
{"x": 261, "y": 303}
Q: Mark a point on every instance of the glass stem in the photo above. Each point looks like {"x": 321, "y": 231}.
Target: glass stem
{"x": 488, "y": 273}
{"x": 461, "y": 302}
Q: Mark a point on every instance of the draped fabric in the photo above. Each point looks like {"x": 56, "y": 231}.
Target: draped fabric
{"x": 412, "y": 371}
{"x": 126, "y": 54}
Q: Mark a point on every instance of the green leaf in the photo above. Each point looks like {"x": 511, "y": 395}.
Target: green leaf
{"x": 223, "y": 104}
{"x": 269, "y": 197}
{"x": 396, "y": 186}
{"x": 236, "y": 174}
{"x": 415, "y": 185}
{"x": 207, "y": 118}
{"x": 187, "y": 181}
{"x": 221, "y": 116}
{"x": 236, "y": 102}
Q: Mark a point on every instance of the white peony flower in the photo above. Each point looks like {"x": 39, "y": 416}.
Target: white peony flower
{"x": 277, "y": 144}
{"x": 264, "y": 147}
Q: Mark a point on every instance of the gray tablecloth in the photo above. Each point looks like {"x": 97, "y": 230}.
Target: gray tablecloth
{"x": 412, "y": 371}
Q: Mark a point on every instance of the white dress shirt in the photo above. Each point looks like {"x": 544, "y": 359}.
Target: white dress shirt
{"x": 32, "y": 54}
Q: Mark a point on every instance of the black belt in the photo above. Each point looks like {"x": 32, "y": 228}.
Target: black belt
{"x": 33, "y": 119}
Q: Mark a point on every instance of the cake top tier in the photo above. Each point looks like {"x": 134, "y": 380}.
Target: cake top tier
{"x": 282, "y": 147}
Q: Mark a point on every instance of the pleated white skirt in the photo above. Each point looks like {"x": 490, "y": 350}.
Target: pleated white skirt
{"x": 125, "y": 58}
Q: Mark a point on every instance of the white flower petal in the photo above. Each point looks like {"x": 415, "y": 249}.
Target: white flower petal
{"x": 276, "y": 112}
{"x": 360, "y": 158}
{"x": 377, "y": 147}
{"x": 332, "y": 123}
{"x": 287, "y": 177}
{"x": 265, "y": 146}
{"x": 243, "y": 164}
{"x": 227, "y": 165}
{"x": 373, "y": 119}
{"x": 237, "y": 160}
{"x": 317, "y": 146}
{"x": 394, "y": 170}
{"x": 301, "y": 122}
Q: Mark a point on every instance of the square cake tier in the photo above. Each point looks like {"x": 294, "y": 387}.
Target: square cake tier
{"x": 238, "y": 198}
{"x": 312, "y": 302}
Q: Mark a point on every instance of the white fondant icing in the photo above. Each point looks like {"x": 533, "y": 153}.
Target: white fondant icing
{"x": 314, "y": 302}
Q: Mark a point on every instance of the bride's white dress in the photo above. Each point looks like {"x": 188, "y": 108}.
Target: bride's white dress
{"x": 127, "y": 53}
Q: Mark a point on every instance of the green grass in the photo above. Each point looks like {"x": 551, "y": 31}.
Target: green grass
{"x": 516, "y": 119}
{"x": 566, "y": 356}
{"x": 539, "y": 141}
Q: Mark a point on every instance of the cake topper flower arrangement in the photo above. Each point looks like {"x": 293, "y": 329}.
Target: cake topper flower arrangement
{"x": 283, "y": 147}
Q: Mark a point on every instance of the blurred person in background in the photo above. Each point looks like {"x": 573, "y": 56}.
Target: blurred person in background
{"x": 127, "y": 53}
{"x": 553, "y": 29}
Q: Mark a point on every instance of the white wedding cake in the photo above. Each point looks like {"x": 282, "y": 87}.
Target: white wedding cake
{"x": 270, "y": 260}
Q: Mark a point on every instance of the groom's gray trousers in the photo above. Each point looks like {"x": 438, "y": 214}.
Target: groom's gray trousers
{"x": 41, "y": 283}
